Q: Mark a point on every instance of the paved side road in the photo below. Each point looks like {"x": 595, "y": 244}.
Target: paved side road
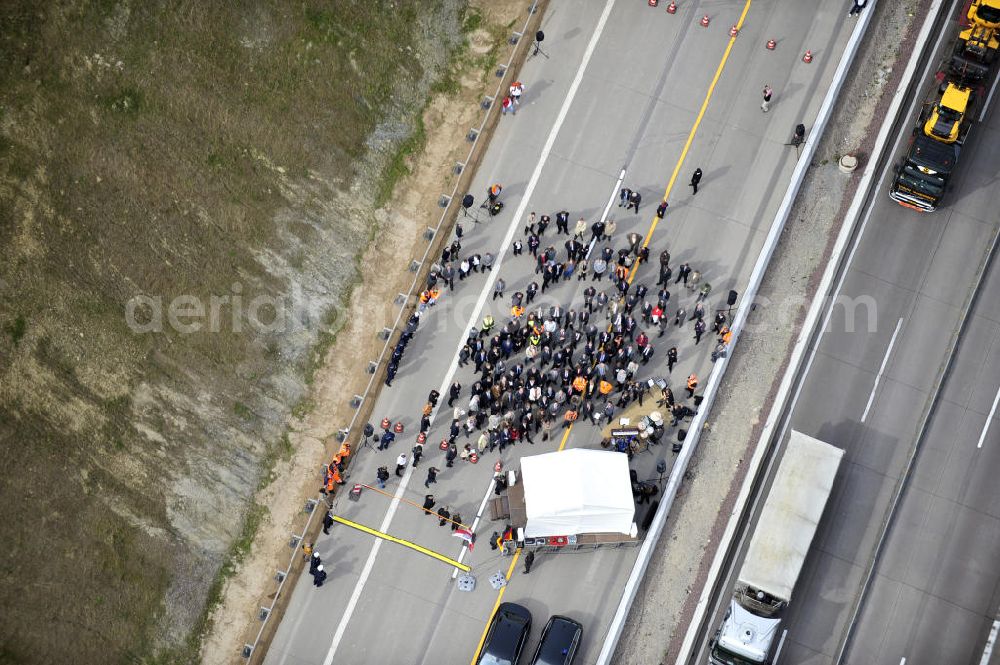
{"x": 634, "y": 103}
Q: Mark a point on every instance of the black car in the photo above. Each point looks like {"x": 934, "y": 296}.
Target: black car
{"x": 506, "y": 637}
{"x": 560, "y": 640}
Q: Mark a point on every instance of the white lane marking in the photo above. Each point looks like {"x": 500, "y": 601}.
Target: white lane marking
{"x": 902, "y": 661}
{"x": 590, "y": 248}
{"x": 781, "y": 644}
{"x": 986, "y": 106}
{"x": 878, "y": 377}
{"x": 989, "y": 418}
{"x": 990, "y": 643}
{"x": 487, "y": 290}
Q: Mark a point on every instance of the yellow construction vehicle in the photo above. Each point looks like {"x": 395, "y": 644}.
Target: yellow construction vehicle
{"x": 985, "y": 13}
{"x": 946, "y": 117}
{"x": 975, "y": 51}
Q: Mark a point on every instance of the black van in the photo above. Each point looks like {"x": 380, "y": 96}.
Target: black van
{"x": 560, "y": 640}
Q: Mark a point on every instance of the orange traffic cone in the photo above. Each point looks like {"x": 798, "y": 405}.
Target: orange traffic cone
{"x": 398, "y": 428}
{"x": 733, "y": 31}
{"x": 653, "y": 3}
{"x": 808, "y": 57}
{"x": 672, "y": 7}
{"x": 704, "y": 21}
{"x": 443, "y": 445}
{"x": 771, "y": 44}
{"x": 421, "y": 438}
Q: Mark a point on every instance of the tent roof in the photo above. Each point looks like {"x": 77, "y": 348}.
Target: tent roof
{"x": 577, "y": 491}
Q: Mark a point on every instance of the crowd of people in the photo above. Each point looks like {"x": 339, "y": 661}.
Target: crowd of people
{"x": 542, "y": 367}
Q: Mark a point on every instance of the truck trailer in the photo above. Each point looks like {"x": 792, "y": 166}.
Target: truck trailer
{"x": 750, "y": 630}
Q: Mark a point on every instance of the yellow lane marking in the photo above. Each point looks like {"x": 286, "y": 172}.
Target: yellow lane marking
{"x": 680, "y": 160}
{"x": 496, "y": 605}
{"x": 694, "y": 128}
{"x": 404, "y": 543}
{"x": 649, "y": 235}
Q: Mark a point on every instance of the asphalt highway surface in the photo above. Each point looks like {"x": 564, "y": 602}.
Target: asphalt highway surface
{"x": 628, "y": 87}
{"x": 890, "y": 337}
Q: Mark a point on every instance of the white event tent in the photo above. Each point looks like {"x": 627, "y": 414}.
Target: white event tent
{"x": 577, "y": 491}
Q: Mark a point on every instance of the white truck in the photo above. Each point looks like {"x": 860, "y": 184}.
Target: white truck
{"x": 777, "y": 551}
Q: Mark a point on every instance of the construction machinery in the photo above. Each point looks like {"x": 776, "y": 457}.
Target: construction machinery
{"x": 985, "y": 13}
{"x": 974, "y": 54}
{"x": 945, "y": 119}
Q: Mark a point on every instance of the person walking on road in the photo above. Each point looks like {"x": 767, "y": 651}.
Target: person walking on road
{"x": 562, "y": 222}
{"x": 400, "y": 464}
{"x": 580, "y": 230}
{"x": 624, "y": 196}
{"x": 507, "y": 106}
{"x": 857, "y": 7}
{"x": 319, "y": 576}
{"x": 432, "y": 476}
{"x": 327, "y": 523}
{"x": 695, "y": 179}
{"x": 498, "y": 288}
{"x": 634, "y": 199}
{"x": 381, "y": 476}
{"x": 418, "y": 452}
{"x": 456, "y": 522}
{"x": 516, "y": 90}
{"x": 692, "y": 384}
{"x": 671, "y": 358}
{"x": 529, "y": 560}
{"x": 765, "y": 105}
{"x": 453, "y": 392}
{"x": 443, "y": 515}
{"x": 661, "y": 209}
{"x": 428, "y": 504}
{"x": 699, "y": 330}
{"x": 683, "y": 270}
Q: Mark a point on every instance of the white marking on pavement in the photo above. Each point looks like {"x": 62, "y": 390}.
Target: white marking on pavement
{"x": 986, "y": 106}
{"x": 989, "y": 418}
{"x": 590, "y": 248}
{"x": 881, "y": 369}
{"x": 990, "y": 643}
{"x": 781, "y": 644}
{"x": 487, "y": 290}
{"x": 902, "y": 661}
{"x": 475, "y": 523}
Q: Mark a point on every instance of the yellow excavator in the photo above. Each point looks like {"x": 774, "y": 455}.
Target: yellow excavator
{"x": 946, "y": 117}
{"x": 975, "y": 51}
{"x": 985, "y": 13}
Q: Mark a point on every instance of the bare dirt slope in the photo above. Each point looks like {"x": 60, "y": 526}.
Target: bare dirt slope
{"x": 383, "y": 273}
{"x": 234, "y": 156}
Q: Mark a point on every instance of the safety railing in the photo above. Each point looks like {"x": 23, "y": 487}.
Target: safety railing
{"x": 404, "y": 300}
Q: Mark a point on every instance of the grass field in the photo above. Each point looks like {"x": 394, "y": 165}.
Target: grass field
{"x": 166, "y": 149}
